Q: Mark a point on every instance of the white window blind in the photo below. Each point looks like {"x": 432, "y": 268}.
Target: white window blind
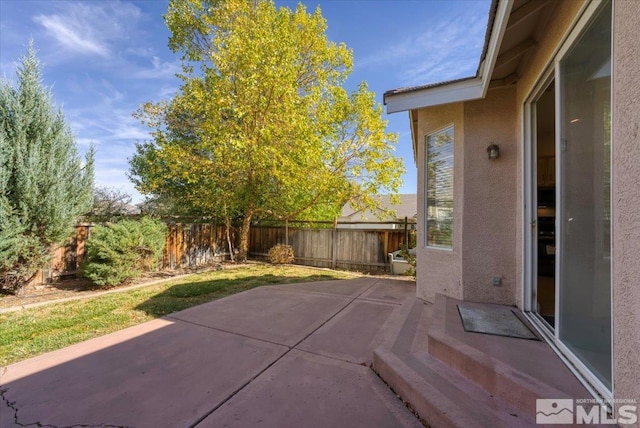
{"x": 439, "y": 188}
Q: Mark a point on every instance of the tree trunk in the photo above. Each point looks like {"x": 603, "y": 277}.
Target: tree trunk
{"x": 227, "y": 224}
{"x": 244, "y": 238}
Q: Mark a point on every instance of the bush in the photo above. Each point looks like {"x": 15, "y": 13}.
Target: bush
{"x": 20, "y": 257}
{"x": 410, "y": 258}
{"x": 120, "y": 251}
{"x": 281, "y": 254}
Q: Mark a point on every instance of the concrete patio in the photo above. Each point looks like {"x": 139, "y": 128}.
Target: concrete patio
{"x": 276, "y": 356}
{"x": 291, "y": 356}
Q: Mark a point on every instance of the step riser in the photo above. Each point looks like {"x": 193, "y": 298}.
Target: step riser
{"x": 486, "y": 375}
{"x": 413, "y": 390}
{"x": 450, "y": 383}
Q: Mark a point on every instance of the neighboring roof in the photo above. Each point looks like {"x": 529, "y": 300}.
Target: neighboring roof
{"x": 408, "y": 207}
{"x": 464, "y": 89}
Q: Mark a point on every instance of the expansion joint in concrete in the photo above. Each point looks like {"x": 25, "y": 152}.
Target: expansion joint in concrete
{"x": 243, "y": 386}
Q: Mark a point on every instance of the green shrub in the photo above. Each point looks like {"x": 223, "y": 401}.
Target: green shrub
{"x": 410, "y": 258}
{"x": 281, "y": 254}
{"x": 120, "y": 251}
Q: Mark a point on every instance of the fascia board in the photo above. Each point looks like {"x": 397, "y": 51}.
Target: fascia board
{"x": 497, "y": 34}
{"x": 465, "y": 90}
{"x": 446, "y": 94}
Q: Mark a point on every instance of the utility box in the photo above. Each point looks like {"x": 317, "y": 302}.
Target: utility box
{"x": 398, "y": 264}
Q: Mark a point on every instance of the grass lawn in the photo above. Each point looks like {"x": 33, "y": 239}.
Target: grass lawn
{"x": 31, "y": 332}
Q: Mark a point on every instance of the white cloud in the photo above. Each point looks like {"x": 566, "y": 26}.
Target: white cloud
{"x": 107, "y": 126}
{"x": 105, "y": 120}
{"x": 448, "y": 50}
{"x": 167, "y": 92}
{"x": 90, "y": 28}
{"x": 73, "y": 38}
{"x": 159, "y": 69}
{"x": 140, "y": 51}
{"x": 85, "y": 143}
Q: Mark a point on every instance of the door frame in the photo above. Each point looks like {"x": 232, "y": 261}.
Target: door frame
{"x": 529, "y": 207}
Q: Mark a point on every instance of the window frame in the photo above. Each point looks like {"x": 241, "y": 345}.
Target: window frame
{"x": 449, "y": 128}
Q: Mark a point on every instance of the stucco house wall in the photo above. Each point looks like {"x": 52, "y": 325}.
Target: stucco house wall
{"x": 490, "y": 189}
{"x": 484, "y": 233}
{"x": 489, "y": 195}
{"x": 440, "y": 270}
{"x": 626, "y": 200}
{"x": 488, "y": 237}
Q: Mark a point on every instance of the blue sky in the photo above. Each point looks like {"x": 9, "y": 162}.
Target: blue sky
{"x": 103, "y": 59}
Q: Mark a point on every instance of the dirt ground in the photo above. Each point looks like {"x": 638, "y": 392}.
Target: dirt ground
{"x": 73, "y": 287}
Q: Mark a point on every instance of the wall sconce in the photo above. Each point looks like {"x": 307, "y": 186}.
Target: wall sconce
{"x": 493, "y": 151}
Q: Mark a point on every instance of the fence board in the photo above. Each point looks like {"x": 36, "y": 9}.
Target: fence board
{"x": 189, "y": 245}
{"x": 351, "y": 249}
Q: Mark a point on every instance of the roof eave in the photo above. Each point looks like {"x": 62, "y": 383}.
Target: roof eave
{"x": 462, "y": 90}
{"x": 459, "y": 91}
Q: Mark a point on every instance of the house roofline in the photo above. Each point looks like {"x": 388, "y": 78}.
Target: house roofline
{"x": 464, "y": 89}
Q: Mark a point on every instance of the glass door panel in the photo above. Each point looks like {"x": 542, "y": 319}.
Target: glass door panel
{"x": 584, "y": 198}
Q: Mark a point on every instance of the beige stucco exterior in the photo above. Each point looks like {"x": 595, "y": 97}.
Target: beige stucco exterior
{"x": 440, "y": 270}
{"x": 626, "y": 200}
{"x": 488, "y": 195}
{"x": 489, "y": 229}
{"x": 490, "y": 205}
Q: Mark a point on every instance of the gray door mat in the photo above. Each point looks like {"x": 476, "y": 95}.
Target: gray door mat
{"x": 498, "y": 321}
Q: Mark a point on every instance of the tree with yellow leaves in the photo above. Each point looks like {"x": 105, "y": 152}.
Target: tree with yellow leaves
{"x": 262, "y": 126}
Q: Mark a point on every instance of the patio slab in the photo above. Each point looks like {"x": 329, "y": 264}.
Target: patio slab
{"x": 353, "y": 334}
{"x": 276, "y": 354}
{"x": 391, "y": 291}
{"x": 266, "y": 313}
{"x": 306, "y": 390}
{"x": 351, "y": 288}
{"x": 168, "y": 376}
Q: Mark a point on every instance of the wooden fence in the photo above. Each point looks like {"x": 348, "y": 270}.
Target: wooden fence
{"x": 67, "y": 258}
{"x": 195, "y": 244}
{"x": 350, "y": 249}
{"x": 189, "y": 245}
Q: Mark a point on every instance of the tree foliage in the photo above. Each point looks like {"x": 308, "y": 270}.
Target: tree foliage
{"x": 109, "y": 204}
{"x": 44, "y": 184}
{"x": 262, "y": 126}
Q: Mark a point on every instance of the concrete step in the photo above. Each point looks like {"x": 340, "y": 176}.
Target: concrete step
{"x": 442, "y": 397}
{"x": 453, "y": 378}
{"x": 499, "y": 379}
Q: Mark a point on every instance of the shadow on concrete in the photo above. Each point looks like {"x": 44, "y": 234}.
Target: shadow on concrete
{"x": 185, "y": 295}
{"x": 162, "y": 373}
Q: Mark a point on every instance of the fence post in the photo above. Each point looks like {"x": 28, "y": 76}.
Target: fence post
{"x": 334, "y": 244}
{"x": 406, "y": 232}
{"x": 286, "y": 232}
{"x": 385, "y": 244}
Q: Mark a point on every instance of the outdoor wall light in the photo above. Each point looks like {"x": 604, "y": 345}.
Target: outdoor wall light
{"x": 493, "y": 151}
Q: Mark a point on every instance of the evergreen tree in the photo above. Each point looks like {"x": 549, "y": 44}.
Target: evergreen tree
{"x": 44, "y": 184}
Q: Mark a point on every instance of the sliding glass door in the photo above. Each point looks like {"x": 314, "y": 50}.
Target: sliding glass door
{"x": 583, "y": 260}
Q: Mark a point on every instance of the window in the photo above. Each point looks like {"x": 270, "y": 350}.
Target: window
{"x": 439, "y": 188}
